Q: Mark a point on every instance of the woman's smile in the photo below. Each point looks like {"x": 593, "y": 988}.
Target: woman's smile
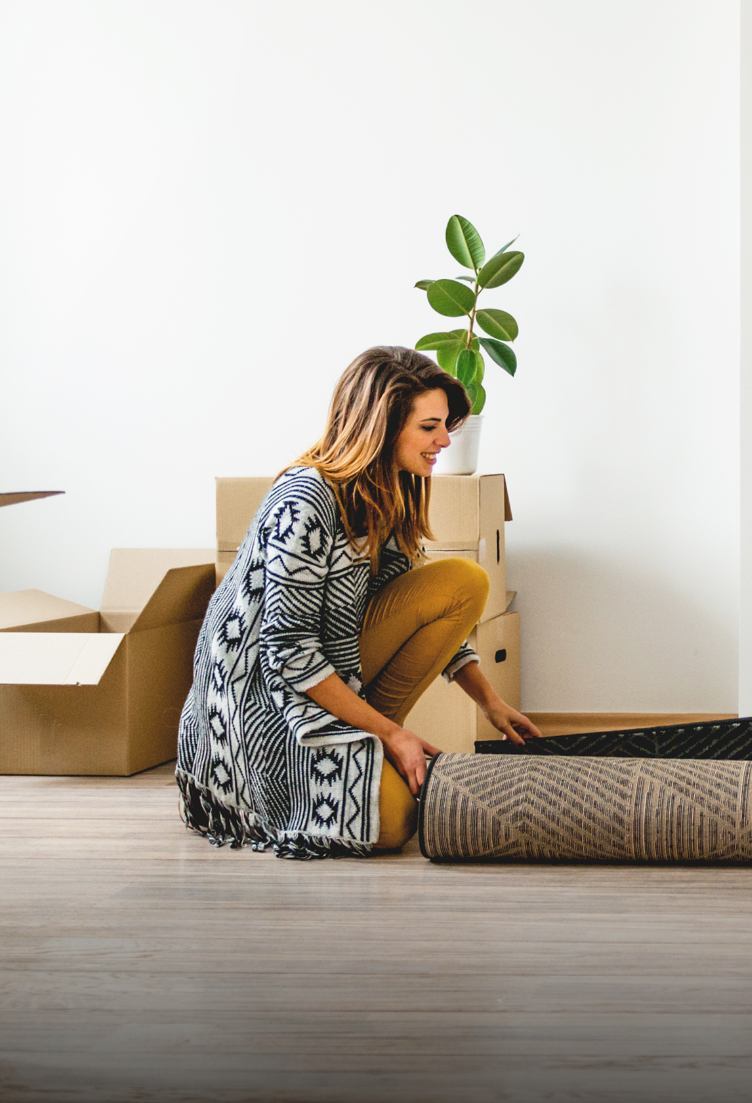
{"x": 424, "y": 434}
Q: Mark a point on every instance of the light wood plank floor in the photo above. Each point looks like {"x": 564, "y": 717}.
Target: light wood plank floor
{"x": 139, "y": 963}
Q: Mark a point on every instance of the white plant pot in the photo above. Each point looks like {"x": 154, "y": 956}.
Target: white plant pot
{"x": 461, "y": 457}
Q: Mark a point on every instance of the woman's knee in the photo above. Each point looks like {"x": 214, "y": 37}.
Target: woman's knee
{"x": 464, "y": 579}
{"x": 398, "y": 811}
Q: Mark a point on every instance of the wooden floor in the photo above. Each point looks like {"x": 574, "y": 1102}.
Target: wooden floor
{"x": 139, "y": 963}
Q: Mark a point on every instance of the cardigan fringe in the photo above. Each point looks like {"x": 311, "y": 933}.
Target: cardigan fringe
{"x": 223, "y": 825}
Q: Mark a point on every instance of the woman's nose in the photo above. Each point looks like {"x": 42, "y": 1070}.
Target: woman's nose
{"x": 443, "y": 439}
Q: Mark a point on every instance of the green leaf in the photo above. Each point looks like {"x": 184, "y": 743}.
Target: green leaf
{"x": 505, "y": 247}
{"x": 450, "y": 298}
{"x": 424, "y": 284}
{"x": 497, "y": 323}
{"x": 472, "y": 394}
{"x": 500, "y": 269}
{"x": 479, "y": 398}
{"x": 439, "y": 341}
{"x": 447, "y": 358}
{"x": 466, "y": 366}
{"x": 464, "y": 243}
{"x": 501, "y": 353}
{"x": 480, "y": 368}
{"x": 467, "y": 279}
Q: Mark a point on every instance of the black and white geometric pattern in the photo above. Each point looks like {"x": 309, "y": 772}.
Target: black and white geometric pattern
{"x": 713, "y": 739}
{"x": 258, "y": 761}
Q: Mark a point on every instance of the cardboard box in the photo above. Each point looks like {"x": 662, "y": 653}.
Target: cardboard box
{"x": 469, "y": 509}
{"x": 446, "y": 716}
{"x": 83, "y": 692}
{"x": 237, "y": 503}
{"x": 13, "y": 498}
{"x": 467, "y": 516}
{"x": 35, "y": 611}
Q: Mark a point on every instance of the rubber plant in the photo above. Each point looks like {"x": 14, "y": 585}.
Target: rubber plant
{"x": 458, "y": 350}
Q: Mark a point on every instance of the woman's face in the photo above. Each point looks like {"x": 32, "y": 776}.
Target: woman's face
{"x": 424, "y": 434}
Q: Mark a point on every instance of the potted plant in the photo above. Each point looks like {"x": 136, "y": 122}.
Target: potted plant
{"x": 458, "y": 350}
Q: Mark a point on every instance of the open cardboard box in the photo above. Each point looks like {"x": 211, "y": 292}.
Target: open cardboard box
{"x": 83, "y": 692}
{"x": 467, "y": 517}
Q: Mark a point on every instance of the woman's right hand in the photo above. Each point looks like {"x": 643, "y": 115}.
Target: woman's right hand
{"x": 405, "y": 750}
{"x": 407, "y": 753}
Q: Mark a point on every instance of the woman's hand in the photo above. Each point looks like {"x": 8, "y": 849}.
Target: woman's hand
{"x": 404, "y": 749}
{"x": 407, "y": 753}
{"x": 512, "y": 724}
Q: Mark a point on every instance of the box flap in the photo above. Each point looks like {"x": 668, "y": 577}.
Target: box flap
{"x": 17, "y": 496}
{"x": 182, "y": 595}
{"x": 22, "y": 609}
{"x": 494, "y": 503}
{"x": 56, "y": 658}
{"x": 507, "y": 505}
{"x": 133, "y": 577}
{"x": 237, "y": 502}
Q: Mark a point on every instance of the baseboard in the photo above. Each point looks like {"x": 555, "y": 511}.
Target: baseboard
{"x": 571, "y": 723}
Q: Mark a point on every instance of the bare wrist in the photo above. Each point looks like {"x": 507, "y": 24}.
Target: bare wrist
{"x": 387, "y": 730}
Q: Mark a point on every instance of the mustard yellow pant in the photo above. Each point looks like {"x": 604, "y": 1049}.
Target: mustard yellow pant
{"x": 411, "y": 630}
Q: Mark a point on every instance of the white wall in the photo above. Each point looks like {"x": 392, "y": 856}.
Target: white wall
{"x": 207, "y": 209}
{"x": 745, "y": 610}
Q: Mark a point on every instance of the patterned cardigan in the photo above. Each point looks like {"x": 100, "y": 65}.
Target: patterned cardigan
{"x": 259, "y": 762}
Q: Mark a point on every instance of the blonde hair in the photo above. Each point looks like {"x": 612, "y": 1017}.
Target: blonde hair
{"x": 369, "y": 408}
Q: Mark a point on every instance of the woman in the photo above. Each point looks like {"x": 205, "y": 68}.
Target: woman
{"x": 321, "y": 638}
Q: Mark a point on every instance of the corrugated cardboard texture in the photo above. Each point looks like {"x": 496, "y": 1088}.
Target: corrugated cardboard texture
{"x": 446, "y": 716}
{"x": 14, "y": 498}
{"x": 466, "y": 509}
{"x": 137, "y": 584}
{"x": 128, "y": 721}
{"x": 237, "y": 503}
{"x": 223, "y": 563}
{"x": 67, "y": 729}
{"x": 35, "y": 611}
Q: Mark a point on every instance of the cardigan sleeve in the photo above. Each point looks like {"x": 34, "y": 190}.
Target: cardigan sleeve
{"x": 464, "y": 656}
{"x": 300, "y": 534}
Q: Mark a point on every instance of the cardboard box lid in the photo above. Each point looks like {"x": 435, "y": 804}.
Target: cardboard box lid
{"x": 20, "y": 608}
{"x": 12, "y": 499}
{"x": 56, "y": 658}
{"x": 151, "y": 587}
{"x": 464, "y": 508}
{"x": 238, "y": 500}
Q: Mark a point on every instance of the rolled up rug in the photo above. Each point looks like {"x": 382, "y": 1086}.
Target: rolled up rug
{"x": 499, "y": 807}
{"x": 713, "y": 739}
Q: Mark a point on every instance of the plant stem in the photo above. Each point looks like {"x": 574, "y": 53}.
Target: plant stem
{"x": 472, "y": 313}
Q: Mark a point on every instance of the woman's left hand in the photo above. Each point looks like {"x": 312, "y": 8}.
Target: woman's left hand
{"x": 512, "y": 724}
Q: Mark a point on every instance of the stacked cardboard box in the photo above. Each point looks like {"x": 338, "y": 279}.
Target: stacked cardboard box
{"x": 237, "y": 502}
{"x": 467, "y": 518}
{"x": 86, "y": 692}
